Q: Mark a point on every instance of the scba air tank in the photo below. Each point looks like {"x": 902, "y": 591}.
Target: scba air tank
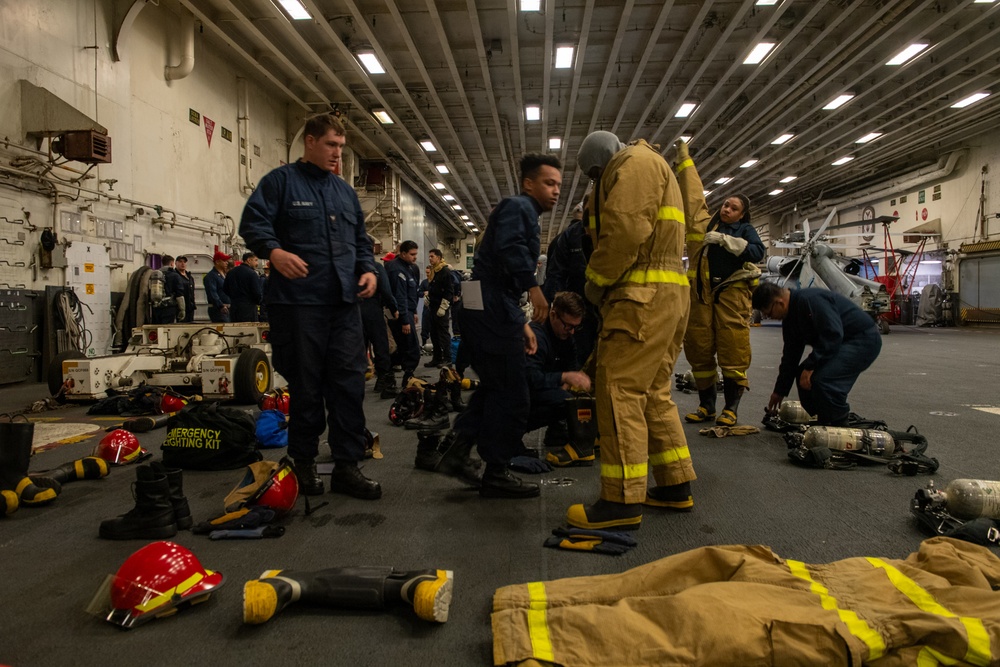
{"x": 793, "y": 413}
{"x": 972, "y": 498}
{"x": 860, "y": 441}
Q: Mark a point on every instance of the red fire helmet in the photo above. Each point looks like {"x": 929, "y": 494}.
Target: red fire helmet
{"x": 120, "y": 447}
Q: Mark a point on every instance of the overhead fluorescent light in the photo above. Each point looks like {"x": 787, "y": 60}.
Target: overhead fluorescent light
{"x": 428, "y": 146}
{"x": 907, "y": 53}
{"x": 706, "y": 192}
{"x": 788, "y": 179}
{"x": 776, "y": 191}
{"x": 442, "y": 168}
{"x": 749, "y": 163}
{"x": 564, "y": 57}
{"x": 382, "y": 116}
{"x": 438, "y": 186}
{"x": 838, "y": 101}
{"x": 759, "y": 53}
{"x": 448, "y": 197}
{"x": 766, "y": 3}
{"x": 531, "y": 5}
{"x": 686, "y": 110}
{"x": 295, "y": 9}
{"x": 456, "y": 207}
{"x": 871, "y": 136}
{"x": 371, "y": 62}
{"x": 931, "y": 261}
{"x": 723, "y": 180}
{"x": 971, "y": 99}
{"x": 469, "y": 224}
{"x": 843, "y": 160}
{"x": 464, "y": 217}
{"x": 686, "y": 138}
{"x": 783, "y": 139}
{"x": 475, "y": 230}
{"x": 555, "y": 143}
{"x": 532, "y": 112}
{"x": 984, "y": 2}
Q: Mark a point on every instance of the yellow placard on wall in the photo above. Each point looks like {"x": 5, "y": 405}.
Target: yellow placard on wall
{"x": 90, "y": 288}
{"x": 88, "y": 268}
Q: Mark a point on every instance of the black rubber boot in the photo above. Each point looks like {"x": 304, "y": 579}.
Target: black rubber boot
{"x": 499, "y": 482}
{"x": 732, "y": 392}
{"x": 15, "y": 455}
{"x": 89, "y": 467}
{"x": 455, "y": 461}
{"x": 309, "y": 480}
{"x": 556, "y": 433}
{"x": 428, "y": 455}
{"x": 675, "y": 496}
{"x": 706, "y": 406}
{"x": 152, "y": 518}
{"x": 348, "y": 479}
{"x": 388, "y": 388}
{"x": 605, "y": 514}
{"x": 182, "y": 512}
{"x": 455, "y": 393}
{"x": 369, "y": 588}
{"x": 434, "y": 417}
{"x": 581, "y": 427}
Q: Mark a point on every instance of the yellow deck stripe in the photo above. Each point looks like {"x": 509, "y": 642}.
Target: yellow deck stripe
{"x": 538, "y": 625}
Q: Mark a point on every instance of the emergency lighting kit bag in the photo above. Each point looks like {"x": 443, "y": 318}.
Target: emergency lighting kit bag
{"x": 208, "y": 436}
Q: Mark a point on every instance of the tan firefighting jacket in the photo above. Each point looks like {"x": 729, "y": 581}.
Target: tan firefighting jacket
{"x": 744, "y": 605}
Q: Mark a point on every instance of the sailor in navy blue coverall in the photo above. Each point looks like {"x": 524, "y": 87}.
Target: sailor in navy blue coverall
{"x": 844, "y": 340}
{"x": 404, "y": 277}
{"x": 308, "y": 222}
{"x": 498, "y": 337}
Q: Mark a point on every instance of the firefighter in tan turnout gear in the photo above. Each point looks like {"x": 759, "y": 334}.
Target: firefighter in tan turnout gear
{"x": 722, "y": 250}
{"x": 636, "y": 277}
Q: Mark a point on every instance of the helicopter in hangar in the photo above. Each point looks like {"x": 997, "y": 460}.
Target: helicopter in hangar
{"x": 817, "y": 264}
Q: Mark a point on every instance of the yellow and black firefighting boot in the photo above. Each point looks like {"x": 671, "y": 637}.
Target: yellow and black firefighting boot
{"x": 17, "y": 488}
{"x": 706, "y": 406}
{"x": 375, "y": 588}
{"x": 605, "y": 514}
{"x": 581, "y": 423}
{"x": 733, "y": 392}
{"x": 89, "y": 467}
{"x": 675, "y": 496}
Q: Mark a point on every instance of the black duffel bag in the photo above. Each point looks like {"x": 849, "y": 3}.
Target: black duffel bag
{"x": 207, "y": 436}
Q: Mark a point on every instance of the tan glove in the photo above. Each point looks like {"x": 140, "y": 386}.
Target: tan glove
{"x": 180, "y": 309}
{"x": 594, "y": 293}
{"x": 682, "y": 150}
{"x": 443, "y": 308}
{"x": 733, "y": 244}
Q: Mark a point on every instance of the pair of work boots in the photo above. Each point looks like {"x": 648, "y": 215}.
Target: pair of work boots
{"x": 604, "y": 514}
{"x": 435, "y": 415}
{"x": 385, "y": 386}
{"x": 368, "y": 588}
{"x": 732, "y": 391}
{"x": 451, "y": 455}
{"x": 160, "y": 506}
{"x": 346, "y": 478}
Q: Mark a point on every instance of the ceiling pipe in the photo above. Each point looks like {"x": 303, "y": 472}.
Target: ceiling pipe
{"x": 944, "y": 168}
{"x": 186, "y": 65}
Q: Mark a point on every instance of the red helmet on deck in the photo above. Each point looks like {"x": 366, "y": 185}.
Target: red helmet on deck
{"x": 275, "y": 400}
{"x": 120, "y": 447}
{"x": 154, "y": 581}
{"x": 172, "y": 403}
{"x": 268, "y": 484}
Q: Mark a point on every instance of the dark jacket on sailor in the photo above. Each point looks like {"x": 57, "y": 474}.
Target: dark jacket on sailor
{"x": 821, "y": 319}
{"x": 553, "y": 358}
{"x": 568, "y": 255}
{"x": 404, "y": 288}
{"x": 721, "y": 262}
{"x": 313, "y": 213}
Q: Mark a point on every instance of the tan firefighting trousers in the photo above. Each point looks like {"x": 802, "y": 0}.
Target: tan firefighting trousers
{"x": 639, "y": 425}
{"x": 743, "y": 605}
{"x": 719, "y": 329}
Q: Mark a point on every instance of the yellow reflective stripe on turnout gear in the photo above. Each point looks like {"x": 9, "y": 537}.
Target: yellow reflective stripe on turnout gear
{"x": 979, "y": 639}
{"x": 857, "y": 626}
{"x": 684, "y": 165}
{"x": 704, "y": 374}
{"x": 694, "y": 236}
{"x": 538, "y": 625}
{"x": 640, "y": 276}
{"x": 928, "y": 657}
{"x": 670, "y": 213}
{"x": 670, "y": 456}
{"x": 634, "y": 471}
{"x": 734, "y": 375}
{"x": 179, "y": 589}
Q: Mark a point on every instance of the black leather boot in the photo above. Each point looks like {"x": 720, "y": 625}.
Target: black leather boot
{"x": 16, "y": 487}
{"x": 732, "y": 392}
{"x": 434, "y": 417}
{"x": 182, "y": 512}
{"x": 428, "y": 455}
{"x": 370, "y": 588}
{"x": 499, "y": 482}
{"x": 455, "y": 460}
{"x": 348, "y": 479}
{"x": 152, "y": 518}
{"x": 309, "y": 480}
{"x": 455, "y": 393}
{"x": 706, "y": 406}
